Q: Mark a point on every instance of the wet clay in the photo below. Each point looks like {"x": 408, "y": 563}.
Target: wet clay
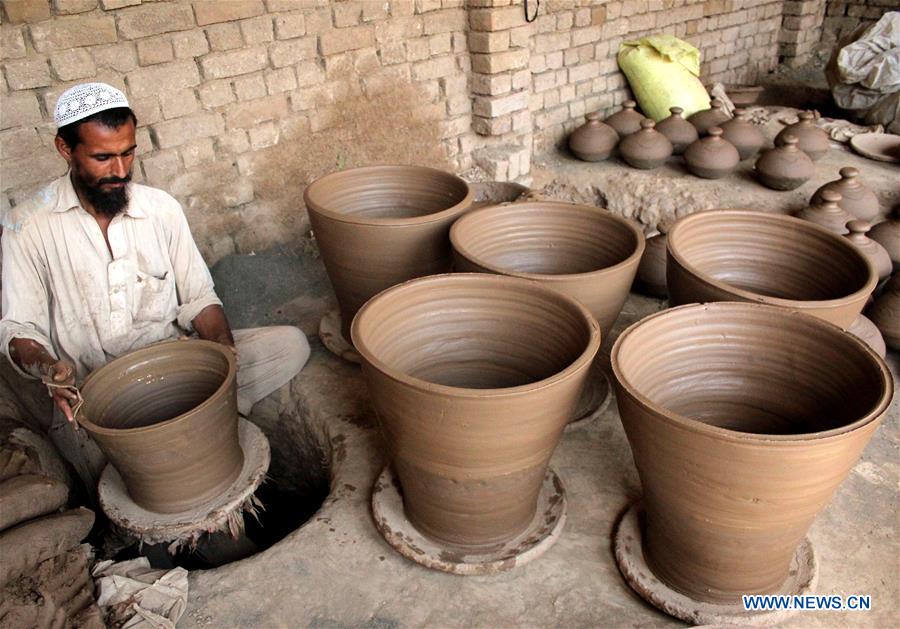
{"x": 166, "y": 418}
{"x": 784, "y": 167}
{"x": 740, "y": 436}
{"x": 739, "y": 255}
{"x": 382, "y": 225}
{"x": 585, "y": 252}
{"x": 473, "y": 378}
{"x": 856, "y": 197}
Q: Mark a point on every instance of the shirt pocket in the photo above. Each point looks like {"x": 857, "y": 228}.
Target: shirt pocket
{"x": 154, "y": 298}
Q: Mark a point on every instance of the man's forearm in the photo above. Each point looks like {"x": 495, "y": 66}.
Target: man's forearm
{"x": 31, "y": 356}
{"x": 212, "y": 325}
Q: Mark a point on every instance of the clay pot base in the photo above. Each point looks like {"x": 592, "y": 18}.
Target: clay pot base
{"x": 627, "y": 540}
{"x": 333, "y": 340}
{"x": 594, "y": 401}
{"x": 541, "y": 534}
{"x": 224, "y": 513}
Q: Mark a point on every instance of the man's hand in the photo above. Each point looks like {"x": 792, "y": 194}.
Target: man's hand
{"x": 212, "y": 325}
{"x": 60, "y": 377}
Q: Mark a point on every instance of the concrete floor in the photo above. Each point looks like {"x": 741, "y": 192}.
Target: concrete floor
{"x": 337, "y": 571}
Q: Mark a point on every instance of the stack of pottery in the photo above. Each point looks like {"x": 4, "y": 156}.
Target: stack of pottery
{"x": 594, "y": 140}
{"x": 784, "y": 167}
{"x": 715, "y": 116}
{"x": 740, "y": 255}
{"x": 379, "y": 226}
{"x": 473, "y": 378}
{"x": 679, "y": 131}
{"x": 827, "y": 212}
{"x": 711, "y": 157}
{"x": 651, "y": 273}
{"x": 885, "y": 312}
{"x": 740, "y": 437}
{"x": 887, "y": 234}
{"x": 877, "y": 254}
{"x": 166, "y": 418}
{"x": 625, "y": 121}
{"x": 743, "y": 134}
{"x": 810, "y": 139}
{"x": 856, "y": 198}
{"x": 647, "y": 148}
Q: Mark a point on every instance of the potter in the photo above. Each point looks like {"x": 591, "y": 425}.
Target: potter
{"x": 100, "y": 266}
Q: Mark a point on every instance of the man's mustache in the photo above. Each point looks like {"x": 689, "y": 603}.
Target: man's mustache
{"x": 125, "y": 179}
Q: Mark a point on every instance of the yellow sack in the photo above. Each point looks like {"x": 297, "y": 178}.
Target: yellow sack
{"x": 662, "y": 71}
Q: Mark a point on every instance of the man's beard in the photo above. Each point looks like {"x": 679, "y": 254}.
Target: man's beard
{"x": 106, "y": 202}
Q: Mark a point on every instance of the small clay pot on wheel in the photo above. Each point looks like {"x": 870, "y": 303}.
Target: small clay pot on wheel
{"x": 711, "y": 157}
{"x": 680, "y": 132}
{"x": 784, "y": 167}
{"x": 810, "y": 139}
{"x": 647, "y": 148}
{"x": 593, "y": 141}
{"x": 166, "y": 418}
{"x": 740, "y": 437}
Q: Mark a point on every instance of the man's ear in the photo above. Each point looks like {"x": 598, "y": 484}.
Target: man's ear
{"x": 63, "y": 149}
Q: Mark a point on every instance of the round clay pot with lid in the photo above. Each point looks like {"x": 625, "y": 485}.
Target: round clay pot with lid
{"x": 871, "y": 249}
{"x": 828, "y": 213}
{"x": 166, "y": 418}
{"x": 594, "y": 140}
{"x": 715, "y": 116}
{"x": 885, "y": 313}
{"x": 740, "y": 437}
{"x": 810, "y": 139}
{"x": 856, "y": 198}
{"x": 887, "y": 234}
{"x": 743, "y": 134}
{"x": 625, "y": 121}
{"x": 742, "y": 255}
{"x": 784, "y": 167}
{"x": 711, "y": 157}
{"x": 646, "y": 149}
{"x": 473, "y": 378}
{"x": 378, "y": 226}
{"x": 680, "y": 132}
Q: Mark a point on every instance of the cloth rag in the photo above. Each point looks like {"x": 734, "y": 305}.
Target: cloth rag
{"x": 136, "y": 596}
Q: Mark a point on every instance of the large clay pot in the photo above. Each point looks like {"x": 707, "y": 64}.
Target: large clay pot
{"x": 856, "y": 198}
{"x": 885, "y": 313}
{"x": 784, "y": 167}
{"x": 739, "y": 255}
{"x": 711, "y": 157}
{"x": 828, "y": 213}
{"x": 647, "y": 148}
{"x": 166, "y": 418}
{"x": 594, "y": 140}
{"x": 381, "y": 225}
{"x": 743, "y": 419}
{"x": 871, "y": 249}
{"x": 705, "y": 119}
{"x": 680, "y": 132}
{"x": 651, "y": 274}
{"x": 473, "y": 378}
{"x": 810, "y": 139}
{"x": 887, "y": 234}
{"x": 743, "y": 134}
{"x": 625, "y": 121}
{"x": 587, "y": 253}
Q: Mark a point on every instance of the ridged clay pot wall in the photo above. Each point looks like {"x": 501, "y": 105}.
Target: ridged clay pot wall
{"x": 583, "y": 251}
{"x": 473, "y": 378}
{"x": 738, "y": 255}
{"x": 379, "y": 226}
{"x": 166, "y": 418}
{"x": 741, "y": 436}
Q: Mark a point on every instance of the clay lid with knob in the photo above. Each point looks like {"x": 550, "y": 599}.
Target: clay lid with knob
{"x": 676, "y": 111}
{"x": 874, "y": 251}
{"x": 646, "y": 123}
{"x": 715, "y": 132}
{"x": 806, "y": 116}
{"x": 790, "y": 143}
{"x": 850, "y": 176}
{"x": 741, "y": 113}
{"x": 831, "y": 198}
{"x": 593, "y": 116}
{"x": 629, "y": 104}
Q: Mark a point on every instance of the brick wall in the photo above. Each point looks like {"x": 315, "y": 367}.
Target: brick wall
{"x": 242, "y": 102}
{"x": 843, "y": 16}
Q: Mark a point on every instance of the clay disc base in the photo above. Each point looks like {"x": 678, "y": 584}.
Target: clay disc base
{"x": 541, "y": 534}
{"x": 332, "y": 338}
{"x": 153, "y": 528}
{"x": 597, "y": 394}
{"x": 802, "y": 578}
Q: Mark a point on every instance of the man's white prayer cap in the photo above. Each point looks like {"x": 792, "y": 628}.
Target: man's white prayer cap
{"x": 86, "y": 99}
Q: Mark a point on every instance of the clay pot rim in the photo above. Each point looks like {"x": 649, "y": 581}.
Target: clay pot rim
{"x": 661, "y": 413}
{"x": 794, "y": 304}
{"x": 535, "y": 206}
{"x": 584, "y": 358}
{"x": 308, "y": 198}
{"x": 211, "y": 345}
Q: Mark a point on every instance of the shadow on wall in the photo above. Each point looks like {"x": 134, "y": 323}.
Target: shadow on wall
{"x": 396, "y": 125}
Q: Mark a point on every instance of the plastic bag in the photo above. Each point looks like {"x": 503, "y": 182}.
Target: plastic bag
{"x": 663, "y": 72}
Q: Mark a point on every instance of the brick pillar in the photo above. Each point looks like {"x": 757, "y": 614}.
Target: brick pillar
{"x": 501, "y": 86}
{"x": 801, "y": 30}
